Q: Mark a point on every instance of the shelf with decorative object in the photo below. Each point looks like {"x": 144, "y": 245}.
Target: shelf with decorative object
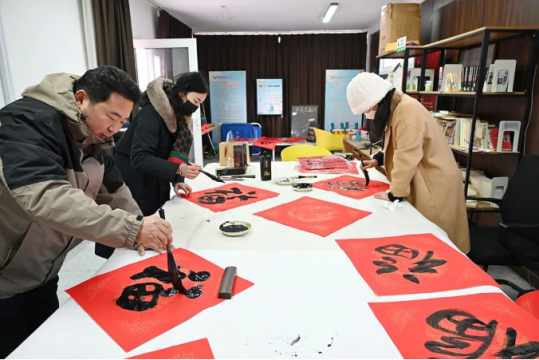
{"x": 466, "y": 93}
{"x": 412, "y": 51}
{"x": 478, "y": 38}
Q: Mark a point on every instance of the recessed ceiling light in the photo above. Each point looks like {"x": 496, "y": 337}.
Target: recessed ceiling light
{"x": 329, "y": 14}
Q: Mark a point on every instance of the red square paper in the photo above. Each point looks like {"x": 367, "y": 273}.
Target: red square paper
{"x": 352, "y": 186}
{"x": 136, "y": 303}
{"x": 313, "y": 215}
{"x": 267, "y": 142}
{"x": 482, "y": 326}
{"x": 199, "y": 349}
{"x": 412, "y": 264}
{"x": 230, "y": 196}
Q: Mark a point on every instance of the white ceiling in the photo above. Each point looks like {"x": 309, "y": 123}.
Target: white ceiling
{"x": 276, "y": 15}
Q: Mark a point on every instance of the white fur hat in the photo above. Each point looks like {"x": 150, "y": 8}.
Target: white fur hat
{"x": 365, "y": 91}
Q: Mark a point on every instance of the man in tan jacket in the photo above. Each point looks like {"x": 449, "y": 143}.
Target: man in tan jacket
{"x": 58, "y": 186}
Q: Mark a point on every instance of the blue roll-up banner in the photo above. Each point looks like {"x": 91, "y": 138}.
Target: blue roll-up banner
{"x": 337, "y": 110}
{"x": 228, "y": 95}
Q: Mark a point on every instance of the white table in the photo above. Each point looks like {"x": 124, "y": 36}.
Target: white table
{"x": 302, "y": 286}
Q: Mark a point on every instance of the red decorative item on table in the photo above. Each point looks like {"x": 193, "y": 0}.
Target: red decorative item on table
{"x": 327, "y": 165}
{"x": 198, "y": 349}
{"x": 229, "y": 196}
{"x": 351, "y": 186}
{"x": 312, "y": 215}
{"x": 267, "y": 142}
{"x": 412, "y": 264}
{"x": 137, "y": 302}
{"x": 481, "y": 326}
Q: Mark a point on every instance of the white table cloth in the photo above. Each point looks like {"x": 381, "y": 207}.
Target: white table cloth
{"x": 304, "y": 285}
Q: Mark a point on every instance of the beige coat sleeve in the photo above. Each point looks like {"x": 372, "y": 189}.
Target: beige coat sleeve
{"x": 406, "y": 158}
{"x": 121, "y": 199}
{"x": 66, "y": 209}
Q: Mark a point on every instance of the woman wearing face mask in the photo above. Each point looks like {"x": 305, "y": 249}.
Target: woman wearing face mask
{"x": 419, "y": 164}
{"x": 153, "y": 153}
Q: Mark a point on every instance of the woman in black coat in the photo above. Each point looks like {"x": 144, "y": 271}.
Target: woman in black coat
{"x": 153, "y": 153}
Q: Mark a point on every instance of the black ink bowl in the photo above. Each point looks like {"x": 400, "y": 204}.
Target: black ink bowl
{"x": 302, "y": 187}
{"x": 235, "y": 228}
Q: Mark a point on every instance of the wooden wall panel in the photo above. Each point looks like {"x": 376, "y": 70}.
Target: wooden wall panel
{"x": 457, "y": 17}
{"x": 511, "y": 13}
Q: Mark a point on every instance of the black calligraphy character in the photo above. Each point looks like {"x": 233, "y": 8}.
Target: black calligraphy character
{"x": 422, "y": 266}
{"x": 398, "y": 250}
{"x": 244, "y": 197}
{"x": 156, "y": 273}
{"x": 211, "y": 200}
{"x": 426, "y": 265}
{"x": 346, "y": 185}
{"x": 140, "y": 297}
{"x": 472, "y": 337}
{"x": 144, "y": 296}
{"x": 217, "y": 196}
{"x": 524, "y": 351}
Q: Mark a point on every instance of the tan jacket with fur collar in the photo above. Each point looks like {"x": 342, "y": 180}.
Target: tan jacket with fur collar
{"x": 421, "y": 168}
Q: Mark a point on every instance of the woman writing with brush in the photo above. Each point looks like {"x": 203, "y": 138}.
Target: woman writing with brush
{"x": 419, "y": 164}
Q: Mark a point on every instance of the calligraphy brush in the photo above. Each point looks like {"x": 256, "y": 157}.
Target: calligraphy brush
{"x": 365, "y": 172}
{"x": 173, "y": 271}
{"x": 211, "y": 176}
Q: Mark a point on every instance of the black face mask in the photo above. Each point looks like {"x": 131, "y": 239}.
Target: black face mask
{"x": 188, "y": 108}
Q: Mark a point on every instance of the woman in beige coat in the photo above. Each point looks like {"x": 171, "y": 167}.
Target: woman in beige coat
{"x": 419, "y": 164}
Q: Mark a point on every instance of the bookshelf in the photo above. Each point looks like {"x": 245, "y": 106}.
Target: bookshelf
{"x": 469, "y": 94}
{"x": 410, "y": 51}
{"x": 463, "y": 151}
{"x": 479, "y": 38}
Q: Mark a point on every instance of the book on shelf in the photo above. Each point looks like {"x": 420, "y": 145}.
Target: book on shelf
{"x": 487, "y": 87}
{"x": 457, "y": 128}
{"x": 507, "y": 143}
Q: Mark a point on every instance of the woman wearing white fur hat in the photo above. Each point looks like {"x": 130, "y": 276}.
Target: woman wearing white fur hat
{"x": 419, "y": 164}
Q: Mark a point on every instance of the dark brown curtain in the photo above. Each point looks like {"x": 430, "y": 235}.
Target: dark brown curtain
{"x": 114, "y": 35}
{"x": 300, "y": 60}
{"x": 168, "y": 27}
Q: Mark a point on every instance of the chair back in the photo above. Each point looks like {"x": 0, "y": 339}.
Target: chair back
{"x": 291, "y": 153}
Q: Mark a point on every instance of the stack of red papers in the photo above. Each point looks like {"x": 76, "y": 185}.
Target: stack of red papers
{"x": 323, "y": 162}
{"x": 267, "y": 142}
{"x": 327, "y": 165}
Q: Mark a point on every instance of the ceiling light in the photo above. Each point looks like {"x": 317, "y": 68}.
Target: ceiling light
{"x": 329, "y": 14}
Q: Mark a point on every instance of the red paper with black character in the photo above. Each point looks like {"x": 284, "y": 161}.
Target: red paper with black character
{"x": 137, "y": 302}
{"x": 267, "y": 142}
{"x": 198, "y": 349}
{"x": 229, "y": 196}
{"x": 482, "y": 326}
{"x": 312, "y": 215}
{"x": 351, "y": 186}
{"x": 412, "y": 264}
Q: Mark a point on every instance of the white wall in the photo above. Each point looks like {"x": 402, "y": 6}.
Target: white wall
{"x": 143, "y": 19}
{"x": 42, "y": 37}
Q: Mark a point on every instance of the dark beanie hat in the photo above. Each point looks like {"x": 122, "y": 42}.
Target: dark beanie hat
{"x": 192, "y": 82}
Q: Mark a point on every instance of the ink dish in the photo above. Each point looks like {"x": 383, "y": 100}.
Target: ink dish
{"x": 303, "y": 187}
{"x": 235, "y": 228}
